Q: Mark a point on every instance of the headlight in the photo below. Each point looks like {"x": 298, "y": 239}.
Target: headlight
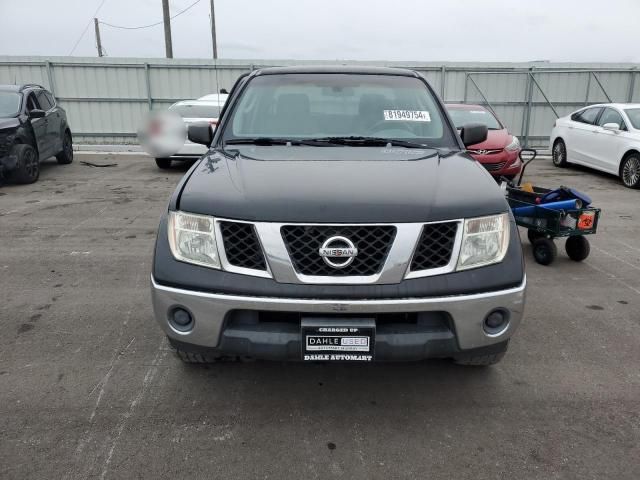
{"x": 192, "y": 239}
{"x": 513, "y": 145}
{"x": 484, "y": 241}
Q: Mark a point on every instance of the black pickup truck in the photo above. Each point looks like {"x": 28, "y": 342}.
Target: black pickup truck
{"x": 337, "y": 217}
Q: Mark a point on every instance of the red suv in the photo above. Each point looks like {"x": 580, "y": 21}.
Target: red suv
{"x": 499, "y": 153}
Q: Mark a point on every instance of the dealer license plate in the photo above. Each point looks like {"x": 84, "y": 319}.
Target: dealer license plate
{"x": 338, "y": 340}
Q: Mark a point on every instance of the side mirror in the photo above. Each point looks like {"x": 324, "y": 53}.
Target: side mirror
{"x": 614, "y": 127}
{"x": 473, "y": 133}
{"x": 37, "y": 113}
{"x": 200, "y": 133}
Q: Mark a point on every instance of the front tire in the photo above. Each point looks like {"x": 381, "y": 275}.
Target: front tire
{"x": 493, "y": 356}
{"x": 201, "y": 356}
{"x": 163, "y": 163}
{"x": 630, "y": 171}
{"x": 559, "y": 154}
{"x": 28, "y": 166}
{"x": 196, "y": 358}
{"x": 65, "y": 157}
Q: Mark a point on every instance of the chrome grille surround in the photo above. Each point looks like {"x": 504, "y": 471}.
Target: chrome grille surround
{"x": 485, "y": 151}
{"x": 395, "y": 268}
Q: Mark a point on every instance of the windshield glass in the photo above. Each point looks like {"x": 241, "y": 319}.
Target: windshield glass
{"x": 312, "y": 106}
{"x": 9, "y": 104}
{"x": 634, "y": 117}
{"x": 196, "y": 110}
{"x": 461, "y": 116}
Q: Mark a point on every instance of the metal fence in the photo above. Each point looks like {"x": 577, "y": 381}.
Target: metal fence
{"x": 106, "y": 98}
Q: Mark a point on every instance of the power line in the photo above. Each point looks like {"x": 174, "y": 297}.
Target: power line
{"x": 152, "y": 24}
{"x": 87, "y": 27}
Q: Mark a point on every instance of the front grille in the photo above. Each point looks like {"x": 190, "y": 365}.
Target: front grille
{"x": 435, "y": 246}
{"x": 304, "y": 242}
{"x": 254, "y": 319}
{"x": 493, "y": 167}
{"x": 241, "y": 245}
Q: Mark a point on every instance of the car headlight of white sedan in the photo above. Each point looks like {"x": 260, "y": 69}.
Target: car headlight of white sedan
{"x": 484, "y": 241}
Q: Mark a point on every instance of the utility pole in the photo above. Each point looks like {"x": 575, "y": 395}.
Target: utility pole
{"x": 167, "y": 28}
{"x": 96, "y": 25}
{"x": 214, "y": 43}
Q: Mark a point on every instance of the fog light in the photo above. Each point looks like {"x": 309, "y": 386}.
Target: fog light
{"x": 180, "y": 319}
{"x": 496, "y": 322}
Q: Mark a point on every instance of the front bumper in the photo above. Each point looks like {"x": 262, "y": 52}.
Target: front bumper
{"x": 212, "y": 329}
{"x": 8, "y": 161}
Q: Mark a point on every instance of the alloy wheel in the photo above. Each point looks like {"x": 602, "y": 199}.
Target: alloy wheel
{"x": 31, "y": 164}
{"x": 631, "y": 172}
{"x": 558, "y": 153}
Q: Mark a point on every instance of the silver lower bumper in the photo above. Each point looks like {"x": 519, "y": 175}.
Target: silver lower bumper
{"x": 209, "y": 310}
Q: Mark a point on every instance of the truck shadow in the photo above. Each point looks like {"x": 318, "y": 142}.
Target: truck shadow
{"x": 323, "y": 388}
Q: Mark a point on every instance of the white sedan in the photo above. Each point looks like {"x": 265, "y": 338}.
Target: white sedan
{"x": 605, "y": 137}
{"x": 205, "y": 109}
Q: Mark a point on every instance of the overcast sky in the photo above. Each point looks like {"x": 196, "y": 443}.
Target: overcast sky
{"x": 427, "y": 30}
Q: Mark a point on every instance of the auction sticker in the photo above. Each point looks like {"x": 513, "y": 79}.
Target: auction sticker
{"x": 407, "y": 115}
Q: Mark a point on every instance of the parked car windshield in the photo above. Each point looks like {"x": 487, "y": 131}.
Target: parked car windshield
{"x": 461, "y": 116}
{"x": 634, "y": 117}
{"x": 332, "y": 105}
{"x": 196, "y": 110}
{"x": 9, "y": 104}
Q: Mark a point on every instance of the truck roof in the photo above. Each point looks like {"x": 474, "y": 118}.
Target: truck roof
{"x": 344, "y": 69}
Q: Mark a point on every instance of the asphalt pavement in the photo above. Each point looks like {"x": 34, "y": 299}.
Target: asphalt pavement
{"x": 90, "y": 389}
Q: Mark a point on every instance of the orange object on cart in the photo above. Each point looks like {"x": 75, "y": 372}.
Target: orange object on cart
{"x": 585, "y": 221}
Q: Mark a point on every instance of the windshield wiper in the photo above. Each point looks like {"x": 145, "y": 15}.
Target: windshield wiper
{"x": 267, "y": 141}
{"x": 354, "y": 141}
{"x": 258, "y": 141}
{"x": 368, "y": 142}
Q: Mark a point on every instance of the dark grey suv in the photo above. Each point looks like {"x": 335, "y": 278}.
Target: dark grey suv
{"x": 338, "y": 217}
{"x": 33, "y": 127}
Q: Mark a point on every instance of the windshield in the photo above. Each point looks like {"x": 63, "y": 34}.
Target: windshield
{"x": 196, "y": 110}
{"x": 9, "y": 104}
{"x": 461, "y": 116}
{"x": 634, "y": 117}
{"x": 314, "y": 106}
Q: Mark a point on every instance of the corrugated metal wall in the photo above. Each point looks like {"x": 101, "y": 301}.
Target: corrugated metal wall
{"x": 106, "y": 98}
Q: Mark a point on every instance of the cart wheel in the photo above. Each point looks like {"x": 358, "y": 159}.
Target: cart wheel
{"x": 577, "y": 248}
{"x": 533, "y": 235}
{"x": 544, "y": 251}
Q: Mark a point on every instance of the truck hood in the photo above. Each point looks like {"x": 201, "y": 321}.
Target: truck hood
{"x": 340, "y": 185}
